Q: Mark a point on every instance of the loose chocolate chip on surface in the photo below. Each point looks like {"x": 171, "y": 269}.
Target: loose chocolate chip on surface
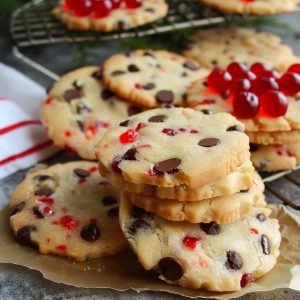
{"x": 169, "y": 166}
{"x": 190, "y": 65}
{"x": 113, "y": 212}
{"x": 38, "y": 212}
{"x": 109, "y": 200}
{"x": 139, "y": 213}
{"x": 235, "y": 128}
{"x": 149, "y": 86}
{"x": 209, "y": 142}
{"x": 23, "y": 235}
{"x": 81, "y": 173}
{"x": 133, "y": 110}
{"x": 266, "y": 244}
{"x": 97, "y": 74}
{"x": 42, "y": 178}
{"x": 138, "y": 225}
{"x": 261, "y": 217}
{"x": 90, "y": 233}
{"x": 44, "y": 191}
{"x": 133, "y": 68}
{"x": 234, "y": 260}
{"x": 171, "y": 268}
{"x": 117, "y": 73}
{"x": 125, "y": 123}
{"x": 106, "y": 94}
{"x": 158, "y": 119}
{"x": 164, "y": 96}
{"x": 207, "y": 111}
{"x": 212, "y": 228}
{"x": 18, "y": 208}
{"x": 73, "y": 94}
{"x": 130, "y": 154}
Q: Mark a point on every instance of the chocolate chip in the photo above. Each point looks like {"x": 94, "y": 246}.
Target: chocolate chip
{"x": 266, "y": 244}
{"x": 70, "y": 95}
{"x": 212, "y": 228}
{"x": 80, "y": 125}
{"x": 190, "y": 65}
{"x": 44, "y": 191}
{"x": 244, "y": 191}
{"x": 78, "y": 84}
{"x": 169, "y": 166}
{"x": 184, "y": 74}
{"x": 116, "y": 167}
{"x": 235, "y": 128}
{"x": 158, "y": 119}
{"x": 225, "y": 96}
{"x": 207, "y": 111}
{"x": 81, "y": 173}
{"x": 149, "y": 86}
{"x": 97, "y": 74}
{"x": 18, "y": 208}
{"x": 126, "y": 123}
{"x": 234, "y": 260}
{"x": 147, "y": 53}
{"x": 164, "y": 96}
{"x": 261, "y": 217}
{"x": 130, "y": 154}
{"x": 109, "y": 200}
{"x": 209, "y": 142}
{"x": 133, "y": 110}
{"x": 23, "y": 235}
{"x": 171, "y": 268}
{"x": 113, "y": 212}
{"x": 253, "y": 147}
{"x": 123, "y": 25}
{"x": 106, "y": 94}
{"x": 150, "y": 10}
{"x": 205, "y": 84}
{"x": 139, "y": 213}
{"x": 82, "y": 108}
{"x": 214, "y": 62}
{"x": 117, "y": 73}
{"x": 42, "y": 178}
{"x": 133, "y": 68}
{"x": 90, "y": 232}
{"x": 38, "y": 212}
{"x": 138, "y": 225}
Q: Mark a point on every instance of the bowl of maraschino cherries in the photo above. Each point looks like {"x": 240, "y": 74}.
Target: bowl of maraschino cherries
{"x": 98, "y": 8}
{"x": 256, "y": 91}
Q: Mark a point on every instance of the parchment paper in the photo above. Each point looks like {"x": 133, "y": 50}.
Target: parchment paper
{"x": 123, "y": 272}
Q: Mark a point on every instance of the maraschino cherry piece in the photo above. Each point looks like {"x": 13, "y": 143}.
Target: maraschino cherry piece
{"x": 246, "y": 279}
{"x": 219, "y": 80}
{"x": 116, "y": 3}
{"x": 240, "y": 85}
{"x": 295, "y": 68}
{"x": 129, "y": 136}
{"x": 264, "y": 84}
{"x": 259, "y": 69}
{"x": 133, "y": 3}
{"x": 290, "y": 83}
{"x": 274, "y": 103}
{"x": 102, "y": 8}
{"x": 190, "y": 242}
{"x": 82, "y": 8}
{"x": 236, "y": 70}
{"x": 245, "y": 105}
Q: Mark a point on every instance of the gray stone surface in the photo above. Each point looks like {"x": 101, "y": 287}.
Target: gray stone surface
{"x": 20, "y": 283}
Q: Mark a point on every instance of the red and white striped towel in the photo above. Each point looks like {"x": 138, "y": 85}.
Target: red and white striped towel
{"x": 23, "y": 140}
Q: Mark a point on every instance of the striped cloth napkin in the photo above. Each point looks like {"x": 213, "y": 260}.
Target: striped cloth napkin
{"x": 23, "y": 140}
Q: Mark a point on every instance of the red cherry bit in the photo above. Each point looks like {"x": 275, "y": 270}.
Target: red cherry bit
{"x": 246, "y": 279}
{"x": 129, "y": 136}
{"x": 133, "y": 3}
{"x": 190, "y": 242}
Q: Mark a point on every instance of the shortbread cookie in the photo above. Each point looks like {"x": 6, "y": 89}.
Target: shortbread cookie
{"x": 276, "y": 137}
{"x": 80, "y": 109}
{"x": 218, "y": 47}
{"x": 210, "y": 256}
{"x": 119, "y": 18}
{"x": 151, "y": 78}
{"x": 256, "y": 7}
{"x": 68, "y": 210}
{"x": 271, "y": 158}
{"x": 223, "y": 209}
{"x": 202, "y": 98}
{"x": 240, "y": 179}
{"x": 173, "y": 146}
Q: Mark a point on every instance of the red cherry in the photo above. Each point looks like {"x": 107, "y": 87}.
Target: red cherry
{"x": 245, "y": 105}
{"x": 129, "y": 136}
{"x": 219, "y": 80}
{"x": 133, "y": 3}
{"x": 264, "y": 84}
{"x": 68, "y": 222}
{"x": 294, "y": 68}
{"x": 190, "y": 242}
{"x": 246, "y": 279}
{"x": 290, "y": 83}
{"x": 101, "y": 8}
{"x": 82, "y": 8}
{"x": 274, "y": 103}
{"x": 272, "y": 73}
{"x": 68, "y": 4}
{"x": 237, "y": 70}
{"x": 240, "y": 85}
{"x": 116, "y": 3}
{"x": 259, "y": 69}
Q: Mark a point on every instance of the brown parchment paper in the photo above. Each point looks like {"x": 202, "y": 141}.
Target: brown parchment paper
{"x": 123, "y": 272}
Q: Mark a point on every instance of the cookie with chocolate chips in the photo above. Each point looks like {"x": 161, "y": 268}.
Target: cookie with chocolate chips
{"x": 167, "y": 147}
{"x": 68, "y": 210}
{"x": 151, "y": 78}
{"x": 209, "y": 256}
{"x": 80, "y": 109}
{"x": 118, "y": 18}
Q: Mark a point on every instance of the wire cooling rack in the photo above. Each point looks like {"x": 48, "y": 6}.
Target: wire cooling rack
{"x": 34, "y": 25}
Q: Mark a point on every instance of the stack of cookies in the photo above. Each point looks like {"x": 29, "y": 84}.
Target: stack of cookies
{"x": 192, "y": 207}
